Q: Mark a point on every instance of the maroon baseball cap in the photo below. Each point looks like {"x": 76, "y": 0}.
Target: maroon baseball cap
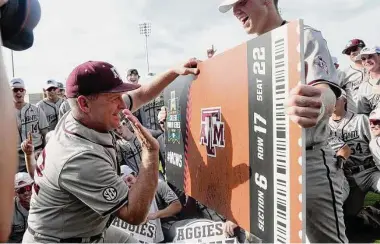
{"x": 353, "y": 43}
{"x": 94, "y": 77}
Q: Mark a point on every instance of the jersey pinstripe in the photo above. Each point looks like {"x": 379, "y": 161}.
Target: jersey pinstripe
{"x": 354, "y": 130}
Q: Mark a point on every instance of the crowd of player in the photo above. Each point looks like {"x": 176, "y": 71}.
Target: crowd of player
{"x": 170, "y": 208}
{"x": 355, "y": 125}
{"x": 98, "y": 159}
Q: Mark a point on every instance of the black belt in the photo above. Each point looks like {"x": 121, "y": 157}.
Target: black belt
{"x": 359, "y": 168}
{"x": 73, "y": 239}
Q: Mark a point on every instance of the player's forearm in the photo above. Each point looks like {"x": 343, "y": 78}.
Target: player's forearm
{"x": 171, "y": 210}
{"x": 142, "y": 192}
{"x": 8, "y": 162}
{"x": 30, "y": 163}
{"x": 150, "y": 91}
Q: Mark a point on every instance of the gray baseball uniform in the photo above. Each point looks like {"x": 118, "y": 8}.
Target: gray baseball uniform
{"x": 19, "y": 223}
{"x": 77, "y": 182}
{"x": 350, "y": 80}
{"x": 368, "y": 96}
{"x": 30, "y": 119}
{"x": 374, "y": 181}
{"x": 335, "y": 142}
{"x": 51, "y": 111}
{"x": 324, "y": 202}
{"x": 64, "y": 108}
{"x": 354, "y": 130}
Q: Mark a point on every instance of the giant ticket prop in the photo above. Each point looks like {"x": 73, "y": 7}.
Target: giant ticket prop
{"x": 229, "y": 143}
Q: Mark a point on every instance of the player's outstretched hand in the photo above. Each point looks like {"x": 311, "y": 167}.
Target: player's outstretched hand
{"x": 211, "y": 52}
{"x": 190, "y": 67}
{"x": 147, "y": 141}
{"x": 27, "y": 145}
{"x": 304, "y": 105}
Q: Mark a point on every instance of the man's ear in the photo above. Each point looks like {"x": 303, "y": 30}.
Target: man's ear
{"x": 84, "y": 104}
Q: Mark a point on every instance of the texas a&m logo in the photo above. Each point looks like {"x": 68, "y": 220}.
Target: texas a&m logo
{"x": 212, "y": 130}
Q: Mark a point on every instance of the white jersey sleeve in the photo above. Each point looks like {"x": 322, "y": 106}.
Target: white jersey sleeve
{"x": 105, "y": 193}
{"x": 318, "y": 61}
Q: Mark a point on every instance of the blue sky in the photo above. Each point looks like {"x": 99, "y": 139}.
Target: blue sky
{"x": 73, "y": 31}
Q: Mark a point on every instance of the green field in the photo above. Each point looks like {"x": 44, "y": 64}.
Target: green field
{"x": 371, "y": 198}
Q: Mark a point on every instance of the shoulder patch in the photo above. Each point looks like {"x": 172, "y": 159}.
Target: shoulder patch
{"x": 321, "y": 63}
{"x": 110, "y": 193}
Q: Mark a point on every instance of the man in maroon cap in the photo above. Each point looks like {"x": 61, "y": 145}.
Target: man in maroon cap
{"x": 78, "y": 190}
{"x": 351, "y": 77}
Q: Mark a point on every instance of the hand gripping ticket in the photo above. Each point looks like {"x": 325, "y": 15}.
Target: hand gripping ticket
{"x": 18, "y": 18}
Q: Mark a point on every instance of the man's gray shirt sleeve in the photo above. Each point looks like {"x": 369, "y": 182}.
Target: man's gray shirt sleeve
{"x": 105, "y": 194}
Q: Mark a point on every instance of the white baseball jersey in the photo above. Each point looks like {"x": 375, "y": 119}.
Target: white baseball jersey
{"x": 51, "y": 111}
{"x": 64, "y": 108}
{"x": 374, "y": 145}
{"x": 354, "y": 130}
{"x": 31, "y": 119}
{"x": 368, "y": 96}
{"x": 150, "y": 232}
{"x": 350, "y": 80}
{"x": 321, "y": 70}
{"x": 77, "y": 183}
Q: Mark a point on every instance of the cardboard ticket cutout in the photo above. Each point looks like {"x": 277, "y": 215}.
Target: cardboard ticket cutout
{"x": 239, "y": 153}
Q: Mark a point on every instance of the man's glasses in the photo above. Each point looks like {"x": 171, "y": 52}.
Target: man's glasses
{"x": 24, "y": 189}
{"x": 375, "y": 122}
{"x": 51, "y": 89}
{"x": 370, "y": 56}
{"x": 15, "y": 90}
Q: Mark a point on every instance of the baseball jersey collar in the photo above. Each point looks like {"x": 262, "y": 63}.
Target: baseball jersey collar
{"x": 74, "y": 127}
